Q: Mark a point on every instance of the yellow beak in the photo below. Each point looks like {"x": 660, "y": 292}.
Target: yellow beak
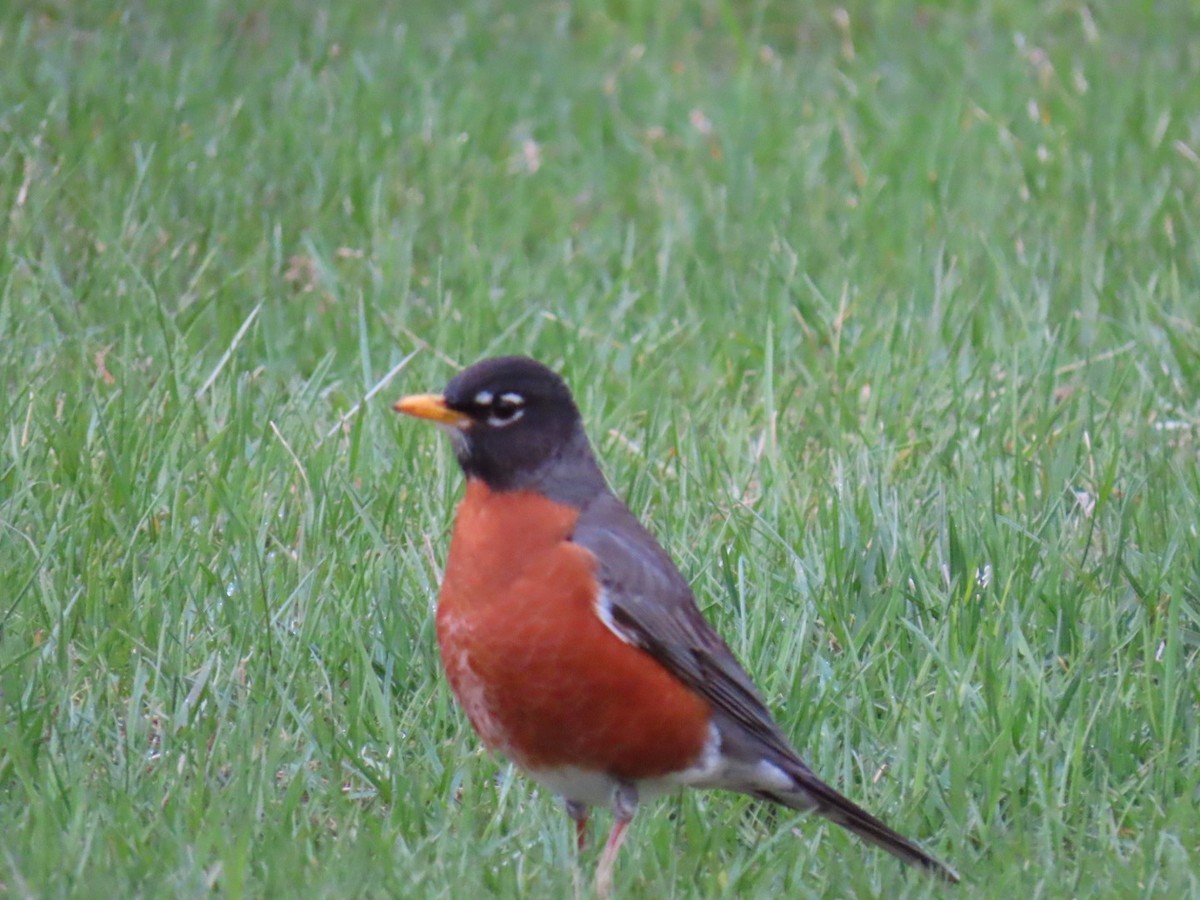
{"x": 432, "y": 407}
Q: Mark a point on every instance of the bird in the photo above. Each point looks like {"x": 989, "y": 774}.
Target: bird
{"x": 572, "y": 641}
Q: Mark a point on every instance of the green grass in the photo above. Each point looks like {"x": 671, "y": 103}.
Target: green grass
{"x": 887, "y": 323}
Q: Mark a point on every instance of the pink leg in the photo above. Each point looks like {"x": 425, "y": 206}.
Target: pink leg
{"x": 581, "y": 834}
{"x": 624, "y": 804}
{"x": 604, "y": 872}
{"x": 579, "y": 815}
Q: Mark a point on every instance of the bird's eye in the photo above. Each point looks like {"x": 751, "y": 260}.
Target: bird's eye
{"x": 506, "y": 409}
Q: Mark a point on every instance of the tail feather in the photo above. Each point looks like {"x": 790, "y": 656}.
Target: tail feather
{"x": 813, "y": 794}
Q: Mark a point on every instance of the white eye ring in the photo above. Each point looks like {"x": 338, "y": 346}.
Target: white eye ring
{"x": 512, "y": 399}
{"x": 483, "y": 398}
{"x": 496, "y": 422}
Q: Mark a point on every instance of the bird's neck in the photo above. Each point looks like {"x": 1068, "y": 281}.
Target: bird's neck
{"x": 570, "y": 476}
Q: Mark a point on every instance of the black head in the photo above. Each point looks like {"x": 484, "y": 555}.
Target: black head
{"x": 514, "y": 425}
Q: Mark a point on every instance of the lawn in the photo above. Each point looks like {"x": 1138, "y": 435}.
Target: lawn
{"x": 883, "y": 315}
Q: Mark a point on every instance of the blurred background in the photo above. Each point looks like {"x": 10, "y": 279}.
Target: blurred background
{"x": 883, "y": 314}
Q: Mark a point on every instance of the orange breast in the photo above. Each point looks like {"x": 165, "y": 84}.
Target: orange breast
{"x": 540, "y": 676}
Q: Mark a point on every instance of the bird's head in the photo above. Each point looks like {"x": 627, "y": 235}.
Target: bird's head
{"x": 514, "y": 425}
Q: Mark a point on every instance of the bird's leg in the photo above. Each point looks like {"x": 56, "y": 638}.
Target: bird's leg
{"x": 624, "y": 806}
{"x": 579, "y": 815}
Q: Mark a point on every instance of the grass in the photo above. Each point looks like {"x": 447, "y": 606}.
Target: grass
{"x": 884, "y": 317}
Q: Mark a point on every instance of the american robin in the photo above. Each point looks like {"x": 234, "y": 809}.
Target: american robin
{"x": 572, "y": 641}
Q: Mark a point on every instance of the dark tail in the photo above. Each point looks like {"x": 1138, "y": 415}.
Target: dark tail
{"x": 812, "y": 794}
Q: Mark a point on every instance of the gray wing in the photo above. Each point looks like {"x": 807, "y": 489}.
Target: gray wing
{"x": 652, "y": 607}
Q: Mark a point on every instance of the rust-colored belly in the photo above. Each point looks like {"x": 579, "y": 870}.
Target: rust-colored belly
{"x": 540, "y": 676}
